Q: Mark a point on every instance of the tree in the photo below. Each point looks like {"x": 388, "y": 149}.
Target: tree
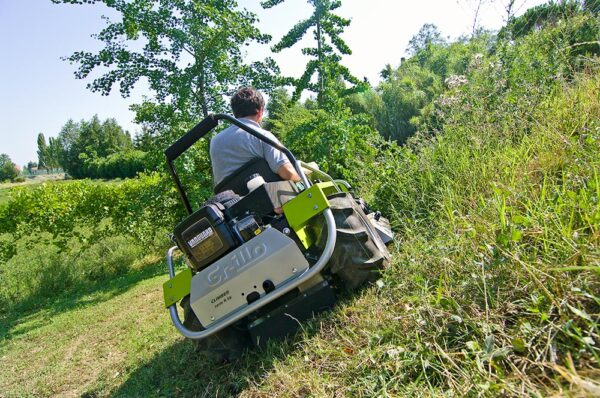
{"x": 53, "y": 153}
{"x": 279, "y": 101}
{"x": 401, "y": 100}
{"x": 89, "y": 140}
{"x": 429, "y": 34}
{"x": 42, "y": 151}
{"x": 8, "y": 170}
{"x": 539, "y": 16}
{"x": 189, "y": 52}
{"x": 30, "y": 166}
{"x": 326, "y": 60}
{"x": 67, "y": 138}
{"x": 386, "y": 72}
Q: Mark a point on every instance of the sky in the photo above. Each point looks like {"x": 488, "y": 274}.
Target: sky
{"x": 39, "y": 93}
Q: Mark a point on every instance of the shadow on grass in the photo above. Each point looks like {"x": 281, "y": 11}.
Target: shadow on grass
{"x": 40, "y": 313}
{"x": 180, "y": 371}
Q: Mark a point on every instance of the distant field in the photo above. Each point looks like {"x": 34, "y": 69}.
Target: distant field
{"x": 6, "y": 187}
{"x": 33, "y": 181}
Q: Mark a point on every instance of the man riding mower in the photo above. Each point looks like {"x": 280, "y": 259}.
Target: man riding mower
{"x": 265, "y": 254}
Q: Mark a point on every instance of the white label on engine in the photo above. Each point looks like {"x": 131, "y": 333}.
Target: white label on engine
{"x": 201, "y": 237}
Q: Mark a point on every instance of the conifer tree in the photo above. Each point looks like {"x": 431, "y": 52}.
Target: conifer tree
{"x": 42, "y": 151}
{"x": 326, "y": 56}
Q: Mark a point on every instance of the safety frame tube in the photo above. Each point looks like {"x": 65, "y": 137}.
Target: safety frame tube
{"x": 280, "y": 291}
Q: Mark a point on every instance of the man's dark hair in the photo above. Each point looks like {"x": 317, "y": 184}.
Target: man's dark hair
{"x": 247, "y": 102}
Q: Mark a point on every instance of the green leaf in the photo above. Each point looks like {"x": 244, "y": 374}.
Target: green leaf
{"x": 473, "y": 346}
{"x": 580, "y": 313}
{"x": 516, "y": 235}
{"x": 518, "y": 345}
{"x": 520, "y": 220}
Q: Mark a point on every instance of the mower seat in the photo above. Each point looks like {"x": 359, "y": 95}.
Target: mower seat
{"x": 236, "y": 182}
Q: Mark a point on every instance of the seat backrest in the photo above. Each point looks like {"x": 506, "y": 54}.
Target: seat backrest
{"x": 237, "y": 181}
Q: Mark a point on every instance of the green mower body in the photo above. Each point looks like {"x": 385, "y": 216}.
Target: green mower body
{"x": 253, "y": 275}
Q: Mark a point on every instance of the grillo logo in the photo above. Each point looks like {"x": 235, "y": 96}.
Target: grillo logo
{"x": 236, "y": 263}
{"x": 201, "y": 237}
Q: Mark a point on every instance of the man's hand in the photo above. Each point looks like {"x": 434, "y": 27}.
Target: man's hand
{"x": 288, "y": 173}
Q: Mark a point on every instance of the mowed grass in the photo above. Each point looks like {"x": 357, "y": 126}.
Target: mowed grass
{"x": 80, "y": 339}
{"x": 117, "y": 340}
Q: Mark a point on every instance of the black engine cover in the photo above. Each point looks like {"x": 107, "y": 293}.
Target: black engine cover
{"x": 204, "y": 236}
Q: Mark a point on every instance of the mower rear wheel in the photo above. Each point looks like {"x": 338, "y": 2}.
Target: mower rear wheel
{"x": 223, "y": 346}
{"x": 359, "y": 252}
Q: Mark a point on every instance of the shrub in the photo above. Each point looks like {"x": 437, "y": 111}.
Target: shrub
{"x": 143, "y": 208}
{"x": 8, "y": 170}
{"x": 343, "y": 145}
{"x": 124, "y": 164}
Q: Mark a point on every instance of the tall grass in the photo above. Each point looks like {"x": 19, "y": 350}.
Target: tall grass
{"x": 59, "y": 237}
{"x": 494, "y": 286}
{"x": 42, "y": 271}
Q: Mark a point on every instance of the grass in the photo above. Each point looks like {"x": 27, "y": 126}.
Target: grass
{"x": 4, "y": 195}
{"x": 65, "y": 347}
{"x": 493, "y": 290}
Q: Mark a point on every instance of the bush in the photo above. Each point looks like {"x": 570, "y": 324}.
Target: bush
{"x": 343, "y": 145}
{"x": 125, "y": 164}
{"x": 145, "y": 208}
{"x": 8, "y": 170}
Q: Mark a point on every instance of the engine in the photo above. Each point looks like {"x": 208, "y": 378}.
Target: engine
{"x": 227, "y": 221}
{"x": 239, "y": 249}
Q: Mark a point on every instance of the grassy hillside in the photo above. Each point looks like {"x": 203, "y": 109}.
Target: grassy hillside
{"x": 493, "y": 290}
{"x": 494, "y": 196}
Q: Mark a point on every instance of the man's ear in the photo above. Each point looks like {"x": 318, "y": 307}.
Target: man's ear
{"x": 260, "y": 113}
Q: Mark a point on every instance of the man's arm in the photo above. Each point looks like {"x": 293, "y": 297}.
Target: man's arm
{"x": 288, "y": 173}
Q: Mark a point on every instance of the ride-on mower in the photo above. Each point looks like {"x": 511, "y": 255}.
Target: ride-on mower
{"x": 254, "y": 274}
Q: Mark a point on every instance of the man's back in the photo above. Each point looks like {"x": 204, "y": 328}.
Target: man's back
{"x": 233, "y": 147}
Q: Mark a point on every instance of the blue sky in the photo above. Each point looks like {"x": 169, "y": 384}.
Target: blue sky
{"x": 38, "y": 92}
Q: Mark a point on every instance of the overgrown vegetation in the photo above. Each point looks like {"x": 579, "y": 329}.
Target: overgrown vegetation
{"x": 55, "y": 237}
{"x": 495, "y": 198}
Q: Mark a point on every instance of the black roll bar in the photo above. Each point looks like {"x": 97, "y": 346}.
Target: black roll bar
{"x": 199, "y": 131}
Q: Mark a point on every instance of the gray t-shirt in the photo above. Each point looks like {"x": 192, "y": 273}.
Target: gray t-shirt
{"x": 233, "y": 147}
